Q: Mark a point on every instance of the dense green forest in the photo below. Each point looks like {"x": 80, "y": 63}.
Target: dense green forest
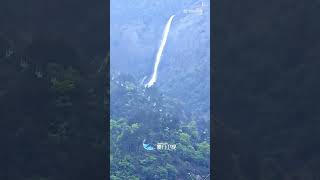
{"x": 53, "y": 111}
{"x": 51, "y": 90}
{"x": 267, "y": 90}
{"x": 174, "y": 110}
{"x": 51, "y": 115}
{"x": 138, "y": 113}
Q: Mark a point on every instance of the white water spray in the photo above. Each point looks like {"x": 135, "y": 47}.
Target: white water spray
{"x": 159, "y": 53}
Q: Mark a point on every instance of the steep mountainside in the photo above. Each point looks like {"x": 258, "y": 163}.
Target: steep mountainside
{"x": 185, "y": 65}
{"x": 268, "y": 88}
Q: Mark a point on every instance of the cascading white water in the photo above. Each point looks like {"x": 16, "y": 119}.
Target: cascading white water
{"x": 159, "y": 53}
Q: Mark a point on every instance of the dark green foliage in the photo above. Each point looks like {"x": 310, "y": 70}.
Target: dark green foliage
{"x": 42, "y": 50}
{"x": 137, "y": 114}
{"x": 52, "y": 125}
{"x": 267, "y": 83}
{"x": 52, "y": 113}
{"x": 63, "y": 80}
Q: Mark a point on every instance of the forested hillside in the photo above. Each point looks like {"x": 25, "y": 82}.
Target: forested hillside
{"x": 184, "y": 71}
{"x": 267, "y": 89}
{"x": 175, "y": 109}
{"x": 138, "y": 113}
{"x": 51, "y": 92}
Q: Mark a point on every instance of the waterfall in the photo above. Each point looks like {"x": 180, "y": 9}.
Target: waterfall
{"x": 159, "y": 53}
